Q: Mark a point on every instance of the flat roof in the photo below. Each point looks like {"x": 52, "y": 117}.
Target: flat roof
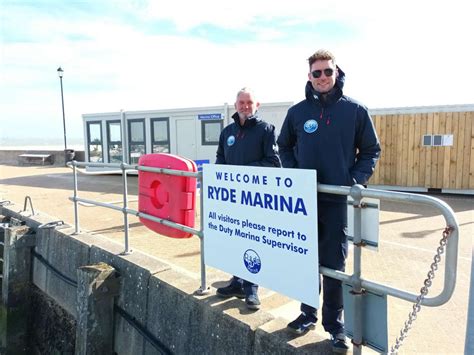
{"x": 179, "y": 110}
{"x": 422, "y": 109}
{"x": 372, "y": 111}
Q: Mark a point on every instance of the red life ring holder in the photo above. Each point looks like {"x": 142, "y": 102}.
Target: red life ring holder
{"x": 164, "y": 196}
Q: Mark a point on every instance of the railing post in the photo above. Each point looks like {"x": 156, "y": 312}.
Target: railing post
{"x": 357, "y": 290}
{"x": 469, "y": 345}
{"x": 204, "y": 289}
{"x": 76, "y": 207}
{"x": 125, "y": 207}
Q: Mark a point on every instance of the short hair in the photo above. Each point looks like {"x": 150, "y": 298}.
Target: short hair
{"x": 245, "y": 90}
{"x": 321, "y": 54}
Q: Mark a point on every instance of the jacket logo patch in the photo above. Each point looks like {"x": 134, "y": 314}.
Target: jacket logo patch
{"x": 230, "y": 141}
{"x": 310, "y": 126}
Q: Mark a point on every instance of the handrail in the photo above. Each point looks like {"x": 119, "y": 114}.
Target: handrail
{"x": 123, "y": 168}
{"x": 451, "y": 250}
{"x": 357, "y": 192}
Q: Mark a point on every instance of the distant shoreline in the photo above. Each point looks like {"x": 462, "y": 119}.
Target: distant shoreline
{"x": 77, "y": 147}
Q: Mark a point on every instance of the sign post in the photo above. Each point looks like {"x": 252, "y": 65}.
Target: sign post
{"x": 260, "y": 224}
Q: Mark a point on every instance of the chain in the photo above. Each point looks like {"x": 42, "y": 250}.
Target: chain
{"x": 423, "y": 292}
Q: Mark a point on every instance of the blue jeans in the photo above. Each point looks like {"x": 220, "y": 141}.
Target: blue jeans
{"x": 333, "y": 248}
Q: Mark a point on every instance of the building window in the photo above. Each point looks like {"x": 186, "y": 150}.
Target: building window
{"x": 136, "y": 139}
{"x": 94, "y": 142}
{"x": 211, "y": 130}
{"x": 114, "y": 141}
{"x": 160, "y": 135}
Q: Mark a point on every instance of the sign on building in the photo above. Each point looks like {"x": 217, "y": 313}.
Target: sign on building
{"x": 210, "y": 116}
{"x": 260, "y": 224}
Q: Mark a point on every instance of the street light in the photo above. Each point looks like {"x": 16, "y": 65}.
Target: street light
{"x": 60, "y": 74}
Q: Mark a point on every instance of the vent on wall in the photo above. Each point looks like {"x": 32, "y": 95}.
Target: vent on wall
{"x": 427, "y": 140}
{"x": 437, "y": 140}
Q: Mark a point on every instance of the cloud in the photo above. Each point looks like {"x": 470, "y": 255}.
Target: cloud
{"x": 136, "y": 55}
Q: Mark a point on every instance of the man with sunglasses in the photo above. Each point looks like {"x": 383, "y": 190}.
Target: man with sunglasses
{"x": 334, "y": 135}
{"x": 247, "y": 141}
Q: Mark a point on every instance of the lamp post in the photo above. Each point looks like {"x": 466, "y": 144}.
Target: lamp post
{"x": 60, "y": 74}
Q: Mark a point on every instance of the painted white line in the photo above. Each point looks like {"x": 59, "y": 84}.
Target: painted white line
{"x": 419, "y": 249}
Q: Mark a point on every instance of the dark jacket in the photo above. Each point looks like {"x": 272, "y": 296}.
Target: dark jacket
{"x": 334, "y": 135}
{"x": 254, "y": 143}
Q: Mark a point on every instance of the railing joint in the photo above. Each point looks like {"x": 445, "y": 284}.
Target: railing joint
{"x": 362, "y": 292}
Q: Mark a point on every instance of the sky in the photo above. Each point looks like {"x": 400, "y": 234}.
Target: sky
{"x": 161, "y": 54}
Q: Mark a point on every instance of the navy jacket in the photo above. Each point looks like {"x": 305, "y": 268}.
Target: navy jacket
{"x": 334, "y": 135}
{"x": 254, "y": 143}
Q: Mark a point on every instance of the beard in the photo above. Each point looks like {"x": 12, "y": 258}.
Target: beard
{"x": 244, "y": 116}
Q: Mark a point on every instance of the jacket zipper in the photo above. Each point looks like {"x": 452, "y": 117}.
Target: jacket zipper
{"x": 328, "y": 118}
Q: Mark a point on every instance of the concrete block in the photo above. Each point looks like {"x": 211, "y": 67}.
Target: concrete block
{"x": 10, "y": 157}
{"x": 135, "y": 270}
{"x": 95, "y": 303}
{"x": 66, "y": 254}
{"x": 209, "y": 324}
{"x": 52, "y": 329}
{"x": 40, "y": 271}
{"x": 273, "y": 338}
{"x": 16, "y": 293}
{"x": 16, "y": 266}
{"x": 31, "y": 220}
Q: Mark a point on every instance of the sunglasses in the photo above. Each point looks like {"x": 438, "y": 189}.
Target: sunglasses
{"x": 317, "y": 73}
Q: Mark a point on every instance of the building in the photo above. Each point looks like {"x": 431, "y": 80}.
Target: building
{"x": 124, "y": 136}
{"x": 423, "y": 148}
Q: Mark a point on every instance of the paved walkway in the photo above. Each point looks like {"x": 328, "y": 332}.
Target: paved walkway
{"x": 409, "y": 236}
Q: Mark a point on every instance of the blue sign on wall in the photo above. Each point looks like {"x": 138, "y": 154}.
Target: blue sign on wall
{"x": 210, "y": 116}
{"x": 199, "y": 164}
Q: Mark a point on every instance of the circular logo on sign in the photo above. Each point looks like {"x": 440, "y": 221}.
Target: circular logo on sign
{"x": 310, "y": 126}
{"x": 230, "y": 141}
{"x": 252, "y": 261}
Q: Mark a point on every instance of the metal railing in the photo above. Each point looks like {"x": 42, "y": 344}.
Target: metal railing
{"x": 126, "y": 210}
{"x": 358, "y": 283}
{"x": 357, "y": 192}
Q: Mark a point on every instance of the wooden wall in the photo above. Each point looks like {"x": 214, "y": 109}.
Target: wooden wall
{"x": 406, "y": 162}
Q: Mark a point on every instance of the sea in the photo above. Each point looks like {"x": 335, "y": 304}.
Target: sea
{"x": 40, "y": 144}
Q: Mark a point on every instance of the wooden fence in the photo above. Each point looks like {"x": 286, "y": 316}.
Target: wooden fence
{"x": 407, "y": 162}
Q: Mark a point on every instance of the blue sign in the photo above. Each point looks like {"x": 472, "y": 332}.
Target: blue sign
{"x": 199, "y": 164}
{"x": 210, "y": 116}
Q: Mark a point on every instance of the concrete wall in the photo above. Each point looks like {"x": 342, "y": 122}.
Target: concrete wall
{"x": 10, "y": 157}
{"x": 162, "y": 300}
{"x": 52, "y": 330}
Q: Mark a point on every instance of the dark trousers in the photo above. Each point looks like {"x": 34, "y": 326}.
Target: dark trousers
{"x": 249, "y": 287}
{"x": 332, "y": 246}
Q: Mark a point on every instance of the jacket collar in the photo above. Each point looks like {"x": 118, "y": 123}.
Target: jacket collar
{"x": 249, "y": 122}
